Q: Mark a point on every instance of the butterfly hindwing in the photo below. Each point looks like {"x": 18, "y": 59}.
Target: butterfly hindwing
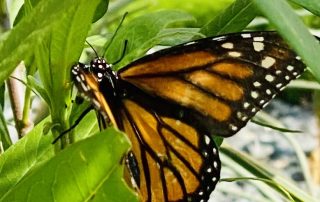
{"x": 175, "y": 161}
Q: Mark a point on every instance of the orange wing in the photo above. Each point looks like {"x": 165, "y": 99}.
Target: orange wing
{"x": 170, "y": 160}
{"x": 220, "y": 82}
{"x": 170, "y": 103}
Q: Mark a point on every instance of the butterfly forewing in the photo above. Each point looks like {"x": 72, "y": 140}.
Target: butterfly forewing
{"x": 171, "y": 102}
{"x": 221, "y": 81}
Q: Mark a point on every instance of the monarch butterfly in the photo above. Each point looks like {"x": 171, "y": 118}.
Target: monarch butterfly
{"x": 171, "y": 102}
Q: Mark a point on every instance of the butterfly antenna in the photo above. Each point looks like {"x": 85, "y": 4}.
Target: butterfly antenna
{"x": 95, "y": 52}
{"x": 123, "y": 53}
{"x": 115, "y": 33}
{"x": 82, "y": 115}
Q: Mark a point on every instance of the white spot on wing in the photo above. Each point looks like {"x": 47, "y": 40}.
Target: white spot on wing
{"x": 267, "y": 62}
{"x": 215, "y": 164}
{"x": 268, "y": 91}
{"x": 207, "y": 139}
{"x": 239, "y": 115}
{"x": 189, "y": 43}
{"x": 220, "y": 38}
{"x": 234, "y": 54}
{"x": 254, "y": 94}
{"x": 244, "y": 118}
{"x": 82, "y": 77}
{"x": 227, "y": 45}
{"x": 269, "y": 77}
{"x": 233, "y": 127}
{"x": 246, "y": 35}
{"x": 279, "y": 85}
{"x": 258, "y": 46}
{"x": 290, "y": 68}
{"x": 100, "y": 74}
{"x": 84, "y": 87}
{"x": 214, "y": 151}
{"x": 96, "y": 103}
{"x": 246, "y": 105}
{"x": 74, "y": 72}
{"x": 256, "y": 84}
{"x": 262, "y": 102}
{"x": 258, "y": 38}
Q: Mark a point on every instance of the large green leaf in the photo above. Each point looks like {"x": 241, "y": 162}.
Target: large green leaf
{"x": 21, "y": 157}
{"x": 233, "y": 19}
{"x": 87, "y": 170}
{"x": 58, "y": 52}
{"x": 311, "y": 5}
{"x": 19, "y": 44}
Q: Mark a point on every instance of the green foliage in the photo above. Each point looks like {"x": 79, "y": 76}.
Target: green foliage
{"x": 23, "y": 157}
{"x": 233, "y": 19}
{"x": 86, "y": 170}
{"x": 50, "y": 38}
{"x": 4, "y": 133}
{"x": 142, "y": 33}
{"x": 259, "y": 170}
{"x": 311, "y": 5}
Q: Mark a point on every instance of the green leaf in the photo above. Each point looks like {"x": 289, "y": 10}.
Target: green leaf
{"x": 84, "y": 171}
{"x": 24, "y": 10}
{"x": 311, "y": 5}
{"x": 23, "y": 156}
{"x": 291, "y": 28}
{"x": 273, "y": 183}
{"x": 20, "y": 42}
{"x": 233, "y": 19}
{"x": 5, "y": 140}
{"x": 114, "y": 189}
{"x": 295, "y": 145}
{"x": 2, "y": 90}
{"x": 263, "y": 171}
{"x": 101, "y": 10}
{"x": 58, "y": 53}
{"x": 264, "y": 124}
{"x": 34, "y": 84}
{"x": 87, "y": 127}
{"x": 175, "y": 36}
{"x": 141, "y": 31}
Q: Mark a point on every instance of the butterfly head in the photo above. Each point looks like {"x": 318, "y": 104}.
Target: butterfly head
{"x": 100, "y": 68}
